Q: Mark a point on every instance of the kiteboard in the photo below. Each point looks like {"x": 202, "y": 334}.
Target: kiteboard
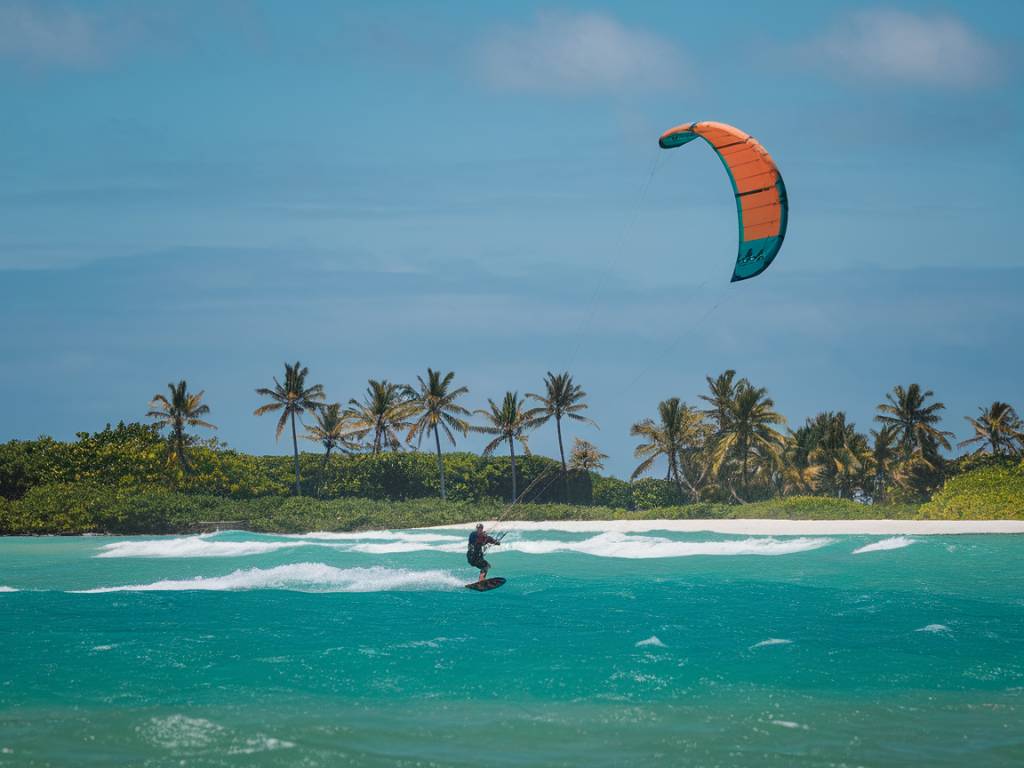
{"x": 486, "y": 585}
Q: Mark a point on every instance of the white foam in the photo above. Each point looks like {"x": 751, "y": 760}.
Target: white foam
{"x": 261, "y": 744}
{"x": 383, "y": 542}
{"x": 763, "y": 527}
{"x": 393, "y": 547}
{"x": 375, "y": 535}
{"x": 935, "y": 628}
{"x": 193, "y": 546}
{"x": 896, "y": 542}
{"x": 8, "y": 589}
{"x": 788, "y": 724}
{"x": 771, "y": 641}
{"x": 103, "y": 647}
{"x": 639, "y": 547}
{"x": 652, "y": 641}
{"x": 302, "y": 577}
{"x": 181, "y": 732}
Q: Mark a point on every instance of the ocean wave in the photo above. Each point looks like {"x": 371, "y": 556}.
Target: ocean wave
{"x": 193, "y": 546}
{"x": 375, "y": 535}
{"x": 8, "y": 589}
{"x": 896, "y": 542}
{"x": 938, "y": 629}
{"x": 302, "y": 577}
{"x": 639, "y": 547}
{"x": 771, "y": 641}
{"x": 393, "y": 547}
{"x": 180, "y": 732}
{"x": 373, "y": 542}
{"x": 651, "y": 641}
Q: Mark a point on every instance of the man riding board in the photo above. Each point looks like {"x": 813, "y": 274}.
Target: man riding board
{"x": 479, "y": 539}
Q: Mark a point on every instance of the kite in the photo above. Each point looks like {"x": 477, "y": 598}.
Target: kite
{"x": 761, "y": 202}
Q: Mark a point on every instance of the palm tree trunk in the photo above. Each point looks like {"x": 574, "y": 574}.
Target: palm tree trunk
{"x": 295, "y": 448}
{"x": 561, "y": 453}
{"x": 512, "y": 453}
{"x": 743, "y": 471}
{"x": 179, "y": 441}
{"x": 440, "y": 462}
{"x": 323, "y": 469}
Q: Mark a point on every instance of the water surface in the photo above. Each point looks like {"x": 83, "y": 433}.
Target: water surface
{"x": 602, "y": 649}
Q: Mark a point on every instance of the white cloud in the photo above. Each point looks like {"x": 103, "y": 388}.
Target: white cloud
{"x": 580, "y": 52}
{"x": 891, "y": 44}
{"x": 50, "y": 36}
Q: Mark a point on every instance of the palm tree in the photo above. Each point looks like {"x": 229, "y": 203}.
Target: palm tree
{"x": 997, "y": 429}
{"x": 843, "y": 455}
{"x": 914, "y": 422}
{"x": 384, "y": 411}
{"x": 678, "y": 432}
{"x": 293, "y": 398}
{"x": 183, "y": 409}
{"x": 435, "y": 406}
{"x": 745, "y": 434}
{"x": 509, "y": 423}
{"x": 585, "y": 456}
{"x": 884, "y": 455}
{"x": 332, "y": 430}
{"x": 723, "y": 392}
{"x": 562, "y": 398}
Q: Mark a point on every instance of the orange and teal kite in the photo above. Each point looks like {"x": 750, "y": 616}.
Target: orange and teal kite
{"x": 761, "y": 201}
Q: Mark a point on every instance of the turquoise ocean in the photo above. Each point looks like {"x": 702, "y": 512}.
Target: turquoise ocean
{"x": 603, "y": 649}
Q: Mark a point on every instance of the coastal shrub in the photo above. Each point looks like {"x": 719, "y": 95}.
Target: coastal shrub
{"x": 610, "y": 492}
{"x": 649, "y": 493}
{"x": 994, "y": 492}
{"x": 821, "y": 508}
{"x": 62, "y": 508}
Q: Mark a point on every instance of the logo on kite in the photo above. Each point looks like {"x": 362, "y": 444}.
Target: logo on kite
{"x": 761, "y": 202}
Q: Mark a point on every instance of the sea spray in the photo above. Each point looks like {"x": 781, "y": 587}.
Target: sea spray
{"x": 896, "y": 542}
{"x": 651, "y": 641}
{"x": 639, "y": 547}
{"x": 302, "y": 577}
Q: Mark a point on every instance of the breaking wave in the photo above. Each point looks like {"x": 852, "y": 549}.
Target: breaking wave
{"x": 193, "y": 546}
{"x": 303, "y": 577}
{"x": 8, "y": 589}
{"x": 896, "y": 542}
{"x": 637, "y": 547}
{"x": 393, "y": 547}
{"x": 610, "y": 544}
{"x": 771, "y": 641}
{"x": 375, "y": 535}
{"x": 651, "y": 641}
{"x": 940, "y": 629}
{"x": 381, "y": 542}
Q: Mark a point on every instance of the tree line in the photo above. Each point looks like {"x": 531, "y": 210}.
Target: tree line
{"x": 391, "y": 416}
{"x": 734, "y": 447}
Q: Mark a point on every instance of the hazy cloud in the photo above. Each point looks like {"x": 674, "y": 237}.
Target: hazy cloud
{"x": 57, "y": 36}
{"x": 579, "y": 52}
{"x": 936, "y": 49}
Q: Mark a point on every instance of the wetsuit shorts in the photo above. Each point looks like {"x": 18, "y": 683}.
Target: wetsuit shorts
{"x": 476, "y": 559}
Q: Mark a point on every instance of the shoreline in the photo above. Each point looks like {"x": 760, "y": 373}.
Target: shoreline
{"x": 764, "y": 527}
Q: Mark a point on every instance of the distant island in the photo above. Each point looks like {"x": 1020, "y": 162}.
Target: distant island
{"x": 731, "y": 457}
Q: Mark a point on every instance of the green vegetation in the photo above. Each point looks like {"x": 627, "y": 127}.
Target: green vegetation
{"x": 75, "y": 508}
{"x": 992, "y": 491}
{"x": 732, "y": 459}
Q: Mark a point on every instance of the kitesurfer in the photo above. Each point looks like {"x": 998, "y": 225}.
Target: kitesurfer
{"x": 479, "y": 539}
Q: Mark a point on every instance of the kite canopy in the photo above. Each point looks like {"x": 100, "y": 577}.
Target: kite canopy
{"x": 761, "y": 201}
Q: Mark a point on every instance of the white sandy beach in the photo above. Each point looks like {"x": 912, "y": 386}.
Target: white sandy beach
{"x": 767, "y": 527}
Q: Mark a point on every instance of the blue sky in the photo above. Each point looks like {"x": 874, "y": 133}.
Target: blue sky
{"x": 204, "y": 190}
